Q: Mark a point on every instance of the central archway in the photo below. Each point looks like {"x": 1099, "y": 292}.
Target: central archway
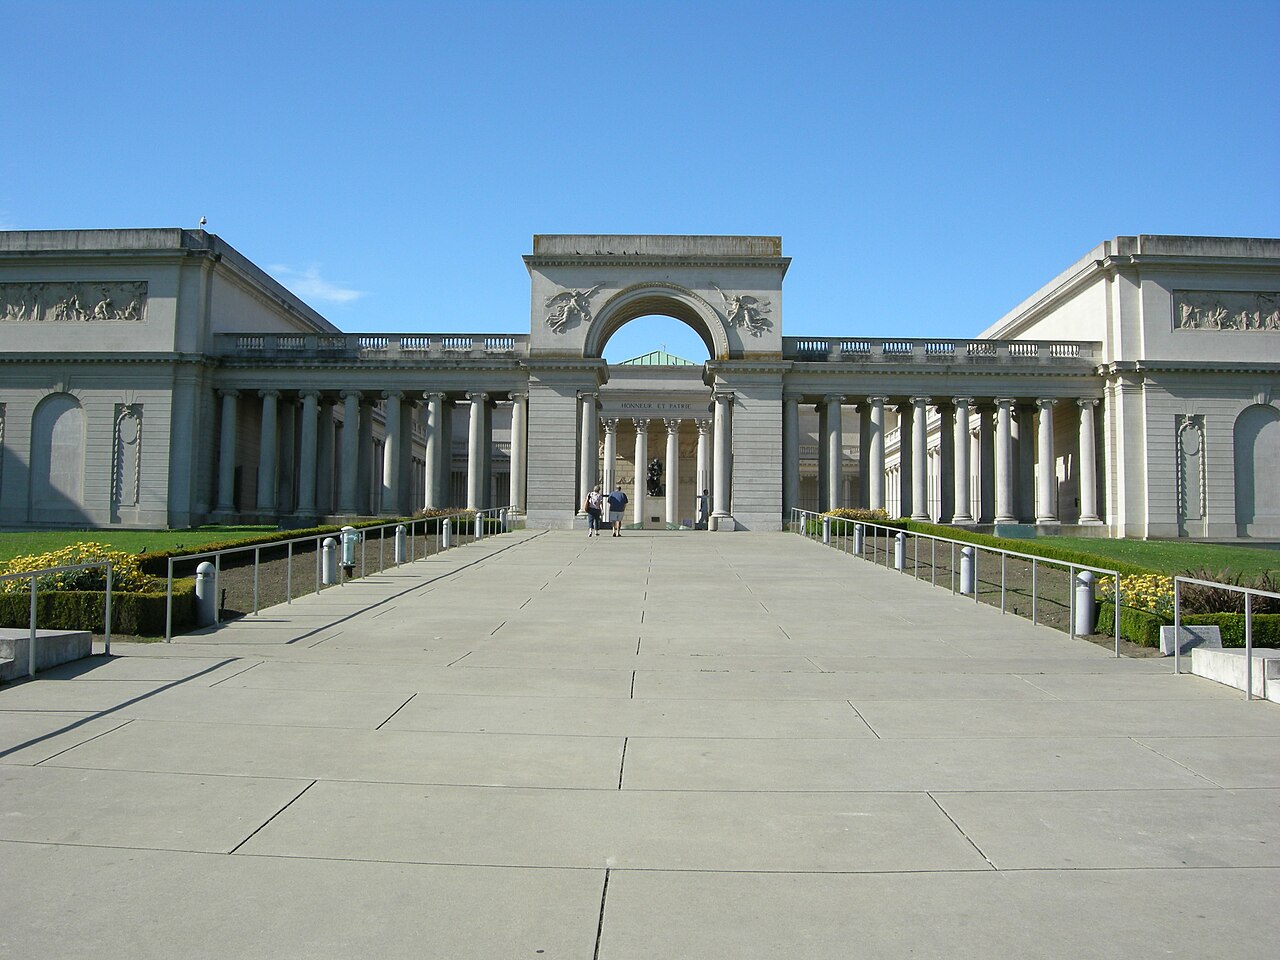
{"x": 657, "y": 299}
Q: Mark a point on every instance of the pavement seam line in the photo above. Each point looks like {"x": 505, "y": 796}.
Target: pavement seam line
{"x": 604, "y": 892}
{"x": 272, "y": 817}
{"x": 1194, "y": 773}
{"x": 460, "y": 659}
{"x": 633, "y": 685}
{"x": 238, "y": 673}
{"x": 864, "y": 720}
{"x": 622, "y": 763}
{"x": 929, "y": 794}
{"x": 54, "y": 756}
{"x": 394, "y": 712}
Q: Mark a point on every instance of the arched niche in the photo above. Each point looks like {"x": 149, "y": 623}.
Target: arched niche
{"x": 57, "y": 456}
{"x": 657, "y": 299}
{"x": 1257, "y": 464}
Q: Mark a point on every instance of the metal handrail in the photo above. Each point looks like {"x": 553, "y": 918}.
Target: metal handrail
{"x": 1249, "y": 592}
{"x": 35, "y": 575}
{"x": 503, "y": 514}
{"x": 801, "y": 517}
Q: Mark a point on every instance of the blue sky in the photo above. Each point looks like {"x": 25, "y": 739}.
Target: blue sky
{"x": 928, "y": 165}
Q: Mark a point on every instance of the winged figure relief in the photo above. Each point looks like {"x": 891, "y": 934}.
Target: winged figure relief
{"x": 746, "y": 311}
{"x": 567, "y": 305}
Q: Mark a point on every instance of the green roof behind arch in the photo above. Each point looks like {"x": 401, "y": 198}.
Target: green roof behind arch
{"x": 657, "y": 358}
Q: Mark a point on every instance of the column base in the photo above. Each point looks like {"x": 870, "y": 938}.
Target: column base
{"x": 721, "y": 523}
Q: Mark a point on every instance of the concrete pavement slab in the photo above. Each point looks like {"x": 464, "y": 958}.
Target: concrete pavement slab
{"x": 834, "y": 686}
{"x": 1234, "y": 760}
{"x": 30, "y": 738}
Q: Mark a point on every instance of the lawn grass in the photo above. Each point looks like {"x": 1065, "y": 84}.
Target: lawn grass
{"x": 1174, "y": 556}
{"x": 26, "y": 542}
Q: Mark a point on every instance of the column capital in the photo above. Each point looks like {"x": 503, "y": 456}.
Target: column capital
{"x": 588, "y": 395}
{"x": 610, "y": 424}
{"x": 833, "y": 398}
{"x": 878, "y": 400}
{"x": 351, "y": 395}
{"x": 1087, "y": 402}
{"x": 963, "y": 401}
{"x": 309, "y": 394}
{"x": 229, "y": 393}
{"x": 673, "y": 426}
{"x": 435, "y": 396}
{"x": 477, "y": 396}
{"x": 704, "y": 426}
{"x": 392, "y": 395}
{"x": 1044, "y": 403}
{"x": 1005, "y": 401}
{"x": 642, "y": 424}
{"x": 519, "y": 396}
{"x": 922, "y": 401}
{"x": 722, "y": 395}
{"x": 790, "y": 396}
{"x": 274, "y": 394}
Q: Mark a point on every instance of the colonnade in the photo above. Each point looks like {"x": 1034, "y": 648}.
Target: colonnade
{"x": 972, "y": 442}
{"x": 322, "y": 456}
{"x": 712, "y": 466}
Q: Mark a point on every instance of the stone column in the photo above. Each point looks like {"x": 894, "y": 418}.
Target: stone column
{"x": 790, "y": 454}
{"x": 364, "y": 468}
{"x": 833, "y": 440}
{"x": 610, "y": 458}
{"x": 1004, "y": 462}
{"x": 986, "y": 464}
{"x": 905, "y": 480}
{"x": 475, "y": 451}
{"x": 702, "y": 469}
{"x": 227, "y": 453}
{"x": 673, "y": 472}
{"x": 960, "y": 443}
{"x": 310, "y": 449}
{"x": 920, "y": 458}
{"x": 437, "y": 451}
{"x": 722, "y": 469}
{"x": 945, "y": 476}
{"x": 975, "y": 470}
{"x": 519, "y": 449}
{"x": 590, "y": 449}
{"x": 1047, "y": 479}
{"x": 391, "y": 452}
{"x": 875, "y": 494}
{"x": 1088, "y": 465}
{"x": 267, "y": 452}
{"x": 348, "y": 488}
{"x": 325, "y": 458}
{"x": 286, "y": 458}
{"x": 642, "y": 470}
{"x": 1026, "y": 446}
{"x": 823, "y": 449}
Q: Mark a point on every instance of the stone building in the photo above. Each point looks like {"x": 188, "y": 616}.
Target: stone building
{"x": 153, "y": 378}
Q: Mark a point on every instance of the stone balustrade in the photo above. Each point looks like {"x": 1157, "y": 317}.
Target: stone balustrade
{"x": 1085, "y": 353}
{"x": 370, "y": 346}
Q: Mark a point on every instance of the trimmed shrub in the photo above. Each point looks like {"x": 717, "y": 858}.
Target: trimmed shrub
{"x": 1266, "y": 627}
{"x": 1037, "y": 547}
{"x": 1138, "y": 626}
{"x": 139, "y": 613}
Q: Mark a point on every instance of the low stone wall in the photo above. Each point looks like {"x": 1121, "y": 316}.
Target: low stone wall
{"x": 52, "y": 648}
{"x": 1228, "y": 666}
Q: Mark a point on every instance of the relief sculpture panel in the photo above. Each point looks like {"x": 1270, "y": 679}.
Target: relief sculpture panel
{"x": 73, "y": 302}
{"x": 1225, "y": 310}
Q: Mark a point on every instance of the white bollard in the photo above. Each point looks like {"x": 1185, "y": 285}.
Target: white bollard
{"x": 479, "y": 521}
{"x": 826, "y": 529}
{"x": 350, "y": 537}
{"x": 502, "y": 519}
{"x": 966, "y": 570}
{"x": 900, "y": 551}
{"x": 857, "y": 538}
{"x": 402, "y": 551}
{"x": 1086, "y": 610}
{"x": 329, "y": 561}
{"x": 206, "y": 595}
{"x": 446, "y": 535}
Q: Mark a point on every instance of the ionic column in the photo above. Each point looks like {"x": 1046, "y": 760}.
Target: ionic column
{"x": 944, "y": 477}
{"x": 227, "y": 453}
{"x": 975, "y": 466}
{"x": 986, "y": 464}
{"x": 721, "y": 470}
{"x": 920, "y": 458}
{"x": 1024, "y": 420}
{"x": 1004, "y": 462}
{"x": 960, "y": 446}
{"x": 1047, "y": 481}
{"x": 642, "y": 470}
{"x": 1088, "y": 465}
{"x": 348, "y": 487}
{"x": 391, "y": 452}
{"x": 673, "y": 472}
{"x": 307, "y": 479}
{"x": 325, "y": 458}
{"x": 876, "y": 469}
{"x": 519, "y": 449}
{"x": 821, "y": 410}
{"x": 702, "y": 469}
{"x": 833, "y": 440}
{"x": 476, "y": 451}
{"x": 610, "y": 453}
{"x": 590, "y": 448}
{"x": 437, "y": 451}
{"x": 790, "y": 454}
{"x": 904, "y": 480}
{"x": 267, "y": 452}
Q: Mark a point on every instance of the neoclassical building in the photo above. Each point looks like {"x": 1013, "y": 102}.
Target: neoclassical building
{"x": 153, "y": 378}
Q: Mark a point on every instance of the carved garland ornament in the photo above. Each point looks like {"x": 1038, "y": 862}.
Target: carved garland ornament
{"x": 1219, "y": 310}
{"x": 79, "y": 302}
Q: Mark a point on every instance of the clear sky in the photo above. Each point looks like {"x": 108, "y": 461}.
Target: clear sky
{"x": 928, "y": 165}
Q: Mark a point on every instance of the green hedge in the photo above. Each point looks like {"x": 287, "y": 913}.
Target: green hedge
{"x": 1036, "y": 547}
{"x": 1144, "y": 628}
{"x": 139, "y": 614}
{"x": 1138, "y": 626}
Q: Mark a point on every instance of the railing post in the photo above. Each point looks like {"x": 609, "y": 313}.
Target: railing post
{"x": 31, "y": 643}
{"x": 1004, "y": 565}
{"x": 288, "y": 574}
{"x": 168, "y": 605}
{"x": 1248, "y": 645}
{"x": 256, "y": 551}
{"x": 106, "y": 629}
{"x": 1177, "y": 625}
{"x": 1035, "y": 594}
{"x": 826, "y": 530}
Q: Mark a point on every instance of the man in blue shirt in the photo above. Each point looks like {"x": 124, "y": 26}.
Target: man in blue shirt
{"x": 617, "y": 504}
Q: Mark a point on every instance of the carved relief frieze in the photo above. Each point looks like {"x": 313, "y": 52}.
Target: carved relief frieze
{"x": 73, "y": 302}
{"x": 1225, "y": 310}
{"x": 569, "y": 307}
{"x": 746, "y": 312}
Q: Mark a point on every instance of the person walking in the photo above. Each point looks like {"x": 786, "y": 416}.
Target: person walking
{"x": 594, "y": 504}
{"x": 617, "y": 504}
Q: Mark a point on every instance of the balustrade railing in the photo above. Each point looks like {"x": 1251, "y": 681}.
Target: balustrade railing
{"x": 374, "y": 346}
{"x": 422, "y": 537}
{"x": 898, "y": 350}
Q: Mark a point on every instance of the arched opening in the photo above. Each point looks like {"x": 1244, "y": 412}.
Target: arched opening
{"x": 655, "y": 333}
{"x": 1257, "y": 463}
{"x": 57, "y": 458}
{"x": 658, "y": 300}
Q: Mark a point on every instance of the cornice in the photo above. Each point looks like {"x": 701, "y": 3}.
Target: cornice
{"x": 114, "y": 359}
{"x": 1122, "y": 368}
{"x": 615, "y": 260}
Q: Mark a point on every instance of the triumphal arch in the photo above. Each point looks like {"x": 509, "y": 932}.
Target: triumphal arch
{"x": 157, "y": 377}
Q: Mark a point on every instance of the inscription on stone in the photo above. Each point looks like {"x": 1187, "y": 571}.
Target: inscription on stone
{"x": 1225, "y": 310}
{"x": 78, "y": 302}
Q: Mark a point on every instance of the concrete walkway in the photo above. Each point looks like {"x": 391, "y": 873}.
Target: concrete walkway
{"x": 659, "y": 746}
